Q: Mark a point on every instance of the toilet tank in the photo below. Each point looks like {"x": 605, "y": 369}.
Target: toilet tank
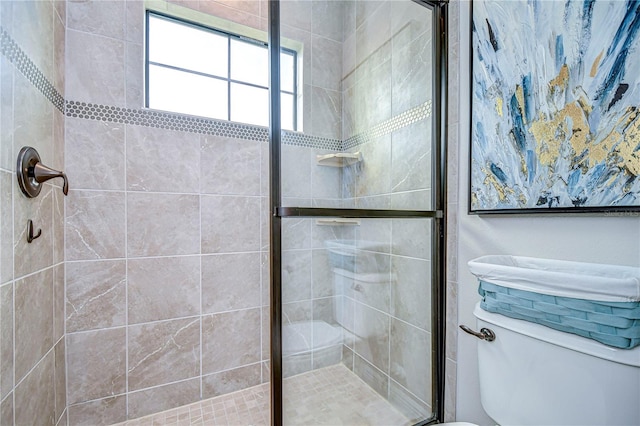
{"x": 535, "y": 375}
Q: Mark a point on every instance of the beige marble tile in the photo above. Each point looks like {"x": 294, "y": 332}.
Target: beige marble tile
{"x": 33, "y": 320}
{"x": 94, "y": 154}
{"x": 296, "y": 233}
{"x": 297, "y": 14}
{"x": 451, "y": 369}
{"x": 60, "y": 378}
{"x": 327, "y": 19}
{"x": 451, "y": 344}
{"x": 96, "y": 364}
{"x": 375, "y": 175}
{"x": 326, "y": 111}
{"x": 296, "y": 169}
{"x": 373, "y": 27}
{"x": 410, "y": 362}
{"x": 135, "y": 17}
{"x": 37, "y": 255}
{"x": 412, "y": 238}
{"x": 35, "y": 396}
{"x": 103, "y": 17}
{"x": 238, "y": 331}
{"x": 6, "y": 340}
{"x": 231, "y": 380}
{"x": 6, "y": 411}
{"x": 162, "y": 224}
{"x": 230, "y": 282}
{"x": 412, "y": 69}
{"x": 95, "y": 225}
{"x": 59, "y": 31}
{"x": 57, "y": 226}
{"x": 134, "y": 69}
{"x": 32, "y": 119}
{"x": 58, "y": 302}
{"x": 372, "y": 376}
{"x": 405, "y": 402}
{"x": 162, "y": 160}
{"x": 326, "y": 62}
{"x": 230, "y": 224}
{"x": 296, "y": 275}
{"x": 96, "y": 295}
{"x": 6, "y": 226}
{"x": 162, "y": 398}
{"x": 163, "y": 352}
{"x": 322, "y": 275}
{"x": 99, "y": 412}
{"x": 95, "y": 69}
{"x": 230, "y": 166}
{"x": 411, "y": 294}
{"x": 411, "y": 157}
{"x": 7, "y": 108}
{"x": 372, "y": 336}
{"x": 163, "y": 288}
{"x": 34, "y": 33}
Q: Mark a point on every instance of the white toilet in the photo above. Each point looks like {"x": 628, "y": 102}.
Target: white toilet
{"x": 534, "y": 375}
{"x": 559, "y": 341}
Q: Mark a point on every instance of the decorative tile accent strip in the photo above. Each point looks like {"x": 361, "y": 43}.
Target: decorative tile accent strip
{"x": 166, "y": 120}
{"x": 185, "y": 123}
{"x": 309, "y": 141}
{"x": 14, "y": 54}
{"x": 404, "y": 119}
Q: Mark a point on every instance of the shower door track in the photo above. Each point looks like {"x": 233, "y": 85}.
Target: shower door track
{"x": 438, "y": 214}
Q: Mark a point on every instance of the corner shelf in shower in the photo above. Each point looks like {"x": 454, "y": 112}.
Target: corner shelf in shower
{"x": 339, "y": 159}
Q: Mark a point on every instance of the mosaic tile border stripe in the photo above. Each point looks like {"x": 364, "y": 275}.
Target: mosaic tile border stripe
{"x": 14, "y": 54}
{"x": 404, "y": 119}
{"x": 185, "y": 123}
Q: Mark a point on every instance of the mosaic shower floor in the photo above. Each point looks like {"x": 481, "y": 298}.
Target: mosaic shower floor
{"x": 327, "y": 396}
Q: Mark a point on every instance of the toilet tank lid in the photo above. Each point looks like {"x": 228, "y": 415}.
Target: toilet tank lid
{"x": 566, "y": 340}
{"x": 580, "y": 280}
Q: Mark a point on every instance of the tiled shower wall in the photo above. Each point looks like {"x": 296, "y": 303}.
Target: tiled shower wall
{"x": 167, "y": 226}
{"x": 32, "y": 346}
{"x": 387, "y": 96}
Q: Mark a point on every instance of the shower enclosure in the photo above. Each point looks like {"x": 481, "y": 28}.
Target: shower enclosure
{"x": 283, "y": 247}
{"x": 356, "y": 250}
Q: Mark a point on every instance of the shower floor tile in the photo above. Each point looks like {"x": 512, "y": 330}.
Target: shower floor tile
{"x": 327, "y": 396}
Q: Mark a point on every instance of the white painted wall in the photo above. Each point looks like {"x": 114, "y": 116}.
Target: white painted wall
{"x": 593, "y": 238}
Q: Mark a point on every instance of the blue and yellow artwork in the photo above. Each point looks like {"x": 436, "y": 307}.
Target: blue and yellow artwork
{"x": 555, "y": 105}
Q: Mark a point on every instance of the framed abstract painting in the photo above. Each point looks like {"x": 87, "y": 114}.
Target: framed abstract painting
{"x": 555, "y": 108}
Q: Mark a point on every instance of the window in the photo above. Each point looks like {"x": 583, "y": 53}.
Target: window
{"x": 192, "y": 69}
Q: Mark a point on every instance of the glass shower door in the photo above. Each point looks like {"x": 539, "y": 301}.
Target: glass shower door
{"x": 356, "y": 192}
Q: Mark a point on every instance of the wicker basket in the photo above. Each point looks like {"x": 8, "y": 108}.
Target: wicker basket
{"x": 611, "y": 323}
{"x": 599, "y": 302}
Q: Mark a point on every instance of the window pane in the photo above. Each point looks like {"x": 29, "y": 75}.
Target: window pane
{"x": 249, "y": 104}
{"x": 286, "y": 111}
{"x": 187, "y": 93}
{"x": 249, "y": 63}
{"x": 286, "y": 72}
{"x": 187, "y": 47}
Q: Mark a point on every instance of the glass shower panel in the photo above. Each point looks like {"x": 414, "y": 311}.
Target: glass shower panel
{"x": 356, "y": 320}
{"x": 364, "y": 107}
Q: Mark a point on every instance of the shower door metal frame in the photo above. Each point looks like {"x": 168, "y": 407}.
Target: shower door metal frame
{"x": 437, "y": 214}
